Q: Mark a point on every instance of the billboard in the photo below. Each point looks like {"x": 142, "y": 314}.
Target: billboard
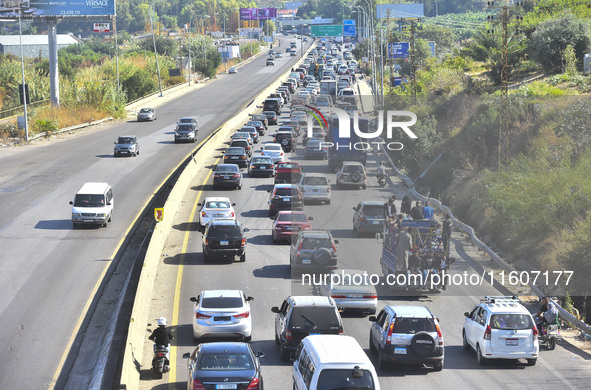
{"x": 258, "y": 13}
{"x": 327, "y": 30}
{"x": 349, "y": 29}
{"x": 40, "y": 8}
{"x": 400, "y": 11}
{"x": 398, "y": 50}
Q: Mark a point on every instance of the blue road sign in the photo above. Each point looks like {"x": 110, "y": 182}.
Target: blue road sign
{"x": 398, "y": 50}
{"x": 349, "y": 29}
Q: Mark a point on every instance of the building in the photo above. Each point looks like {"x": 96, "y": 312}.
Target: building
{"x": 33, "y": 45}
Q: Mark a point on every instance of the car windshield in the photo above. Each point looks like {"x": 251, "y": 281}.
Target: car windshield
{"x": 254, "y": 123}
{"x": 240, "y": 142}
{"x": 241, "y": 134}
{"x": 184, "y": 127}
{"x": 511, "y": 321}
{"x": 145, "y": 110}
{"x": 218, "y": 204}
{"x": 316, "y": 242}
{"x": 89, "y": 200}
{"x": 286, "y": 192}
{"x": 287, "y": 166}
{"x": 332, "y": 379}
{"x": 272, "y": 148}
{"x": 292, "y": 217}
{"x": 186, "y": 120}
{"x": 352, "y": 168}
{"x": 314, "y": 144}
{"x": 235, "y": 151}
{"x": 125, "y": 140}
{"x": 227, "y": 168}
{"x": 373, "y": 209}
{"x": 221, "y": 302}
{"x": 259, "y": 160}
{"x": 414, "y": 325}
{"x": 317, "y": 318}
{"x": 225, "y": 362}
{"x": 315, "y": 181}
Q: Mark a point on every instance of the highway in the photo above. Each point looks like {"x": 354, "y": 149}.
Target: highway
{"x": 266, "y": 276}
{"x": 48, "y": 271}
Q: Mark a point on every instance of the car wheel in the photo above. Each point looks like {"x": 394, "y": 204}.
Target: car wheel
{"x": 206, "y": 258}
{"x": 532, "y": 362}
{"x": 247, "y": 339}
{"x": 75, "y": 225}
{"x": 110, "y": 217}
{"x": 328, "y": 201}
{"x": 157, "y": 375}
{"x": 381, "y": 362}
{"x": 479, "y": 358}
{"x": 552, "y": 343}
{"x": 465, "y": 342}
{"x": 363, "y": 187}
{"x": 105, "y": 224}
{"x": 243, "y": 257}
{"x": 438, "y": 366}
{"x": 284, "y": 354}
{"x": 372, "y": 348}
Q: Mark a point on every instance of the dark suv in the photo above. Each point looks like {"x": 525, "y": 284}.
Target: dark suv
{"x": 299, "y": 317}
{"x": 224, "y": 238}
{"x": 272, "y": 105}
{"x": 406, "y": 334}
{"x": 285, "y": 197}
{"x": 313, "y": 249}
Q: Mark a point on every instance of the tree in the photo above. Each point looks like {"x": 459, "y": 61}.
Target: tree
{"x": 138, "y": 85}
{"x": 551, "y": 38}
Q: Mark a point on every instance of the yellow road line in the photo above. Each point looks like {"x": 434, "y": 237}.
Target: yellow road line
{"x": 72, "y": 337}
{"x": 179, "y": 281}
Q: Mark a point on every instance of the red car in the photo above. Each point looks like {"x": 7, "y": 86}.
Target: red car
{"x": 288, "y": 224}
{"x": 288, "y": 172}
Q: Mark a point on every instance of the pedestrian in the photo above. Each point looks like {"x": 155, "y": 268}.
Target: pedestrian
{"x": 390, "y": 209}
{"x": 417, "y": 211}
{"x": 446, "y": 233}
{"x": 403, "y": 247}
{"x": 428, "y": 211}
{"x": 406, "y": 205}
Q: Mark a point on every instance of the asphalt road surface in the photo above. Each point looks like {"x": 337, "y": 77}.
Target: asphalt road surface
{"x": 266, "y": 276}
{"x": 48, "y": 271}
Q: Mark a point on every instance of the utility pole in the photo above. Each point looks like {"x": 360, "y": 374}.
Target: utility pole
{"x": 504, "y": 100}
{"x": 155, "y": 51}
{"x": 412, "y": 58}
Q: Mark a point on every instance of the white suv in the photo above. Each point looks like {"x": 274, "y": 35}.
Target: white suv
{"x": 501, "y": 328}
{"x": 352, "y": 173}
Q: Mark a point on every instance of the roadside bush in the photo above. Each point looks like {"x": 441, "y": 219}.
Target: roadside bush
{"x": 138, "y": 85}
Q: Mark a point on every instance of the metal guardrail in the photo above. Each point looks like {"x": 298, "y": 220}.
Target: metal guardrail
{"x": 17, "y": 110}
{"x": 585, "y": 328}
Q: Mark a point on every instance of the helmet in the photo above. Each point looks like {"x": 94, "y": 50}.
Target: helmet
{"x": 162, "y": 321}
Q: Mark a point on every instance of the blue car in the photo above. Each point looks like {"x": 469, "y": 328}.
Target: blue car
{"x": 316, "y": 150}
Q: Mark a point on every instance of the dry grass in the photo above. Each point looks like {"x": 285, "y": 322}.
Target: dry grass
{"x": 67, "y": 117}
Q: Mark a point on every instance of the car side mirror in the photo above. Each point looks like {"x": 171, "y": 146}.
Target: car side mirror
{"x": 259, "y": 354}
{"x": 246, "y": 230}
{"x": 269, "y": 191}
{"x": 248, "y": 299}
{"x": 310, "y": 219}
{"x": 186, "y": 355}
{"x": 466, "y": 314}
{"x": 354, "y": 208}
{"x": 115, "y": 143}
{"x": 275, "y": 309}
{"x": 108, "y": 203}
{"x": 193, "y": 299}
{"x": 70, "y": 202}
{"x": 292, "y": 357}
{"x": 373, "y": 318}
{"x": 199, "y": 204}
{"x": 233, "y": 204}
{"x": 336, "y": 241}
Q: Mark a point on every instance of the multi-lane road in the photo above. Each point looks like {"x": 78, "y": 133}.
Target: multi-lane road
{"x": 48, "y": 270}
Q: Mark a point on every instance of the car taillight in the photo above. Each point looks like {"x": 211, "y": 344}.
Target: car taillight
{"x": 389, "y": 336}
{"x": 203, "y": 214}
{"x": 216, "y": 175}
{"x": 254, "y": 385}
{"x": 535, "y": 332}
{"x": 299, "y": 248}
{"x": 206, "y": 242}
{"x": 243, "y": 157}
{"x": 288, "y": 335}
{"x": 281, "y": 153}
{"x": 246, "y": 314}
{"x": 232, "y": 214}
{"x": 338, "y": 296}
{"x": 200, "y": 316}
{"x": 364, "y": 177}
{"x": 197, "y": 385}
{"x": 439, "y": 334}
{"x": 236, "y": 175}
{"x": 361, "y": 217}
{"x": 274, "y": 139}
{"x": 341, "y": 176}
{"x": 160, "y": 354}
{"x": 243, "y": 243}
{"x": 370, "y": 296}
{"x": 487, "y": 332}
{"x": 327, "y": 189}
{"x": 334, "y": 248}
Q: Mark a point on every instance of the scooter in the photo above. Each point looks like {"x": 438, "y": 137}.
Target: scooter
{"x": 382, "y": 180}
{"x": 550, "y": 335}
{"x": 160, "y": 363}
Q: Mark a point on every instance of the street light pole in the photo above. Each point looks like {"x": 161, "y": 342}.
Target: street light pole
{"x": 155, "y": 51}
{"x": 20, "y": 35}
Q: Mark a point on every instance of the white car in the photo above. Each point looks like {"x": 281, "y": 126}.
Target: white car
{"x": 233, "y": 70}
{"x": 304, "y": 93}
{"x": 274, "y": 151}
{"x": 315, "y": 187}
{"x": 501, "y": 328}
{"x": 351, "y": 290}
{"x": 352, "y": 173}
{"x": 222, "y": 313}
{"x": 216, "y": 207}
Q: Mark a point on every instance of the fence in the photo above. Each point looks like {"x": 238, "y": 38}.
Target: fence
{"x": 18, "y": 110}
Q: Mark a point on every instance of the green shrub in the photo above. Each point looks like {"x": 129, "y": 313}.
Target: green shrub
{"x": 138, "y": 85}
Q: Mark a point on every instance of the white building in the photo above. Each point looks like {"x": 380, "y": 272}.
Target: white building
{"x": 34, "y": 45}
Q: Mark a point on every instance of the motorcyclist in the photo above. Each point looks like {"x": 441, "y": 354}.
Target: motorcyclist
{"x": 162, "y": 336}
{"x": 547, "y": 315}
{"x": 381, "y": 171}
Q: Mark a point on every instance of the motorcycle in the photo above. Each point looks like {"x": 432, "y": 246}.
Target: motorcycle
{"x": 382, "y": 180}
{"x": 160, "y": 363}
{"x": 549, "y": 336}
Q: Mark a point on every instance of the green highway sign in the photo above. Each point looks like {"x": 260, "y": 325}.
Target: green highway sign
{"x": 327, "y": 30}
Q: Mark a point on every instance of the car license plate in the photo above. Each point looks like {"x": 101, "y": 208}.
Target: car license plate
{"x": 306, "y": 261}
{"x": 288, "y": 228}
{"x": 87, "y": 220}
{"x": 400, "y": 351}
{"x": 511, "y": 342}
{"x": 315, "y": 190}
{"x": 354, "y": 295}
{"x": 226, "y": 177}
{"x": 224, "y": 318}
{"x": 227, "y": 386}
{"x": 224, "y": 243}
{"x": 234, "y": 157}
{"x": 286, "y": 199}
{"x": 375, "y": 222}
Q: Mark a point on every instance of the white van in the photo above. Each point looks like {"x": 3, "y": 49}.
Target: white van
{"x": 331, "y": 362}
{"x": 93, "y": 204}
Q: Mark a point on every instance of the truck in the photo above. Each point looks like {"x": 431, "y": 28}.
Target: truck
{"x": 328, "y": 87}
{"x": 428, "y": 248}
{"x": 344, "y": 149}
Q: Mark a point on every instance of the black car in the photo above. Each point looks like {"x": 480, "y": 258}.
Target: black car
{"x": 224, "y": 238}
{"x": 368, "y": 216}
{"x": 285, "y": 197}
{"x": 271, "y": 117}
{"x": 236, "y": 155}
{"x": 302, "y": 316}
{"x": 272, "y": 105}
{"x": 242, "y": 143}
{"x": 262, "y": 118}
{"x": 214, "y": 364}
{"x": 227, "y": 175}
{"x": 185, "y": 132}
{"x": 261, "y": 166}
